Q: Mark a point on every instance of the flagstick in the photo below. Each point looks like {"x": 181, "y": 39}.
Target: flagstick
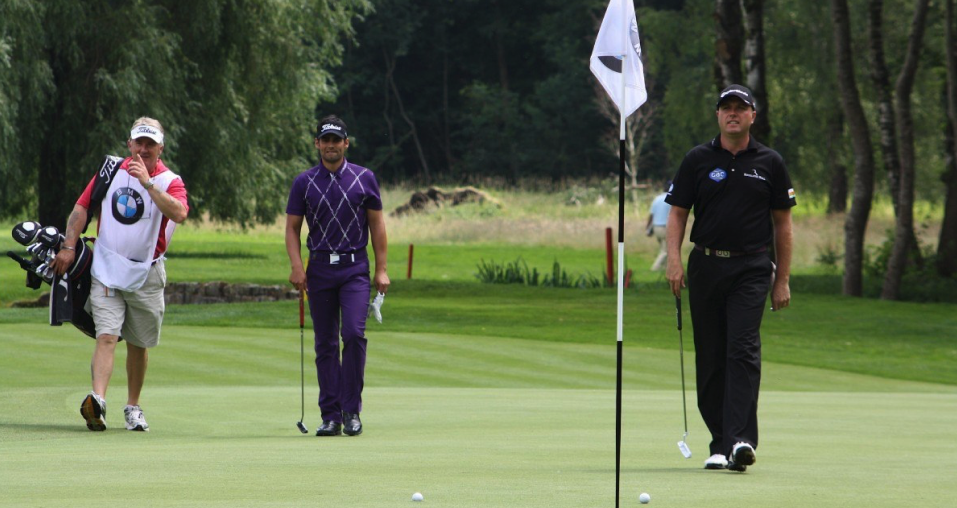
{"x": 621, "y": 259}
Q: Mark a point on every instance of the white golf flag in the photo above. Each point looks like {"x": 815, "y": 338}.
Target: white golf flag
{"x": 617, "y": 38}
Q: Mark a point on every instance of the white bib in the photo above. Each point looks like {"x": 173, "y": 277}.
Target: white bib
{"x": 129, "y": 230}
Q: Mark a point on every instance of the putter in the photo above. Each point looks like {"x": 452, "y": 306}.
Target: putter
{"x": 682, "y": 445}
{"x": 302, "y": 371}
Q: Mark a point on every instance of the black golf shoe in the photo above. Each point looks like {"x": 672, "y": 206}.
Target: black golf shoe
{"x": 742, "y": 456}
{"x": 329, "y": 428}
{"x": 351, "y": 424}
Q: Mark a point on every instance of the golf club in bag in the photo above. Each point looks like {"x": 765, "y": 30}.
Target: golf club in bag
{"x": 302, "y": 368}
{"x": 682, "y": 445}
{"x": 69, "y": 292}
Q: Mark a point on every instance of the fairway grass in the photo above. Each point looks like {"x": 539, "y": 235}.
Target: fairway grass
{"x": 466, "y": 420}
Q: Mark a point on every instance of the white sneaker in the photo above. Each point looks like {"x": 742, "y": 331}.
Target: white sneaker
{"x": 93, "y": 409}
{"x": 135, "y": 419}
{"x": 716, "y": 461}
{"x": 743, "y": 454}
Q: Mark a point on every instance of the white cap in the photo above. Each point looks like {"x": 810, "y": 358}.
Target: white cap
{"x": 147, "y": 131}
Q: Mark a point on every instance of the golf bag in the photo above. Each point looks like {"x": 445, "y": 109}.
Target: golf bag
{"x": 69, "y": 292}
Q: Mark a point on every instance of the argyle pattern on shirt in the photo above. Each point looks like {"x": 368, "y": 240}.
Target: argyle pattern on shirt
{"x": 334, "y": 205}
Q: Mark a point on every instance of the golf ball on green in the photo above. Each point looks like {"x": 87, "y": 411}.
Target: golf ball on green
{"x": 417, "y": 496}
{"x": 644, "y": 498}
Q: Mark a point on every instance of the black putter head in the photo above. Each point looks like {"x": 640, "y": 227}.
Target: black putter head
{"x": 50, "y": 237}
{"x": 26, "y": 233}
{"x": 302, "y": 427}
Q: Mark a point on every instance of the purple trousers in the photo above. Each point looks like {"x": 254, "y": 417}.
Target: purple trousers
{"x": 338, "y": 304}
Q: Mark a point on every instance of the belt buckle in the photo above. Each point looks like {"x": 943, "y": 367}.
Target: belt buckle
{"x": 333, "y": 259}
{"x": 722, "y": 253}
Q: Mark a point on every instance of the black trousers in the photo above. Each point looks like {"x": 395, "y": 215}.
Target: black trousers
{"x": 728, "y": 296}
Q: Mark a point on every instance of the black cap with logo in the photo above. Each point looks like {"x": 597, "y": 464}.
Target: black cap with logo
{"x": 332, "y": 126}
{"x": 736, "y": 91}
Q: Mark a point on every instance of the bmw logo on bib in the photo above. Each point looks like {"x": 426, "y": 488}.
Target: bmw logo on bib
{"x": 718, "y": 174}
{"x": 127, "y": 206}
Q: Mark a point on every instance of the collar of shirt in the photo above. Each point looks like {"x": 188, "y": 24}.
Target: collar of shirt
{"x": 752, "y": 144}
{"x": 338, "y": 172}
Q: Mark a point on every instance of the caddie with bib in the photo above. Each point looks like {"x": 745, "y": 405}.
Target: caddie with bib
{"x": 138, "y": 201}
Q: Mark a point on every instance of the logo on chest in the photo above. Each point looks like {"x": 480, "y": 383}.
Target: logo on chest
{"x": 718, "y": 174}
{"x": 127, "y": 205}
{"x": 754, "y": 174}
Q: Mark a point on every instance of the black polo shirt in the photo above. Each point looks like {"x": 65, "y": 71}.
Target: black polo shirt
{"x": 732, "y": 195}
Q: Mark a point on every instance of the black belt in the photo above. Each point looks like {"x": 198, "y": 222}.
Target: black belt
{"x": 334, "y": 258}
{"x": 728, "y": 253}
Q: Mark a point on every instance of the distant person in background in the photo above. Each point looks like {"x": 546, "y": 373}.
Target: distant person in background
{"x": 138, "y": 201}
{"x": 341, "y": 204}
{"x": 657, "y": 226}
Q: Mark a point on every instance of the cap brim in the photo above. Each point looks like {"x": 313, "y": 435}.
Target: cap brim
{"x": 334, "y": 133}
{"x": 733, "y": 96}
{"x": 136, "y": 133}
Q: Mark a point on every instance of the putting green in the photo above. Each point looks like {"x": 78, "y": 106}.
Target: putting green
{"x": 467, "y": 421}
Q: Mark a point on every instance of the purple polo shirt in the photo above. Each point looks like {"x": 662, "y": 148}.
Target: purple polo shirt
{"x": 334, "y": 206}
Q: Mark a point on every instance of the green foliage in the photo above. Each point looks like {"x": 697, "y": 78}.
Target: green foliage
{"x": 234, "y": 83}
{"x": 518, "y": 272}
{"x": 828, "y": 257}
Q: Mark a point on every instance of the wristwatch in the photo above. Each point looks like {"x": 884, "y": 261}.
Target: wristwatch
{"x": 149, "y": 184}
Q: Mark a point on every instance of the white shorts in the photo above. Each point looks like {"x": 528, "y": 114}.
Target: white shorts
{"x": 137, "y": 316}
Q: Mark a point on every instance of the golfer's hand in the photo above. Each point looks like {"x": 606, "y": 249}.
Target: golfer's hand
{"x": 298, "y": 279}
{"x": 138, "y": 170}
{"x": 64, "y": 259}
{"x": 780, "y": 295}
{"x": 676, "y": 276}
{"x": 382, "y": 282}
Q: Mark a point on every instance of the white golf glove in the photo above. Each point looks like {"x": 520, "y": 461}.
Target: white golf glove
{"x": 376, "y": 306}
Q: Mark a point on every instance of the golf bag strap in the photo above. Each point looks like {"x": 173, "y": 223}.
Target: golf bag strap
{"x": 102, "y": 184}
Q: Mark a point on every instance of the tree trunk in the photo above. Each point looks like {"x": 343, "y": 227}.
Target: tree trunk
{"x": 855, "y": 223}
{"x": 947, "y": 244}
{"x": 885, "y": 100}
{"x": 53, "y": 201}
{"x": 728, "y": 44}
{"x": 755, "y": 66}
{"x": 904, "y": 238}
{"x": 837, "y": 195}
{"x": 837, "y": 191}
{"x": 390, "y": 77}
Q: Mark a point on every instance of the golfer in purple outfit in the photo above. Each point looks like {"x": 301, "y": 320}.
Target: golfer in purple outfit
{"x": 340, "y": 202}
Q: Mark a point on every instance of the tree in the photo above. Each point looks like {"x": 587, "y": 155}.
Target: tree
{"x": 886, "y": 117}
{"x": 755, "y": 68}
{"x": 855, "y": 223}
{"x": 235, "y": 84}
{"x": 24, "y": 87}
{"x": 947, "y": 243}
{"x": 904, "y": 229}
{"x": 728, "y": 43}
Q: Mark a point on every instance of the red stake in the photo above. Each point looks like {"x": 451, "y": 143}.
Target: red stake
{"x": 408, "y": 274}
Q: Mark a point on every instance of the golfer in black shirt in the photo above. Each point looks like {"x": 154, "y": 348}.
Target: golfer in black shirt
{"x": 742, "y": 197}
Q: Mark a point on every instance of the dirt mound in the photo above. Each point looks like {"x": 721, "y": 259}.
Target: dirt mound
{"x": 435, "y": 197}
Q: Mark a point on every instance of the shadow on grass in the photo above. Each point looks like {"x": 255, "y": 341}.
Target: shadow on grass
{"x": 216, "y": 255}
{"x": 46, "y": 427}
